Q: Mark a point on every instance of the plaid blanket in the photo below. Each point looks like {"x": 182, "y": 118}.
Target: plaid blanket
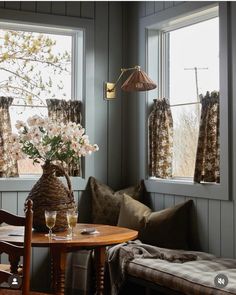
{"x": 121, "y": 255}
{"x": 190, "y": 278}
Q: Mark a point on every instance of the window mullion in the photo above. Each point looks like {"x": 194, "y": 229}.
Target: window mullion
{"x": 160, "y": 63}
{"x": 74, "y": 43}
{"x": 163, "y": 61}
{"x": 167, "y": 64}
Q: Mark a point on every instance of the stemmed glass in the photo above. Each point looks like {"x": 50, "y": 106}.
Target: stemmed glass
{"x": 72, "y": 217}
{"x": 50, "y": 218}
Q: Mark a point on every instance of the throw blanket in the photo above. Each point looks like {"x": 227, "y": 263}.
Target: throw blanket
{"x": 118, "y": 256}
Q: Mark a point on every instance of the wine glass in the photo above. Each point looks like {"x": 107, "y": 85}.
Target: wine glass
{"x": 50, "y": 218}
{"x": 72, "y": 217}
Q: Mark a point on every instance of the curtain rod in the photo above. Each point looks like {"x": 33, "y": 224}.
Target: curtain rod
{"x": 184, "y": 104}
{"x": 28, "y": 106}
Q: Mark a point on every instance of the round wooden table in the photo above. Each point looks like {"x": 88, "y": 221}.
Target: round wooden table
{"x": 59, "y": 247}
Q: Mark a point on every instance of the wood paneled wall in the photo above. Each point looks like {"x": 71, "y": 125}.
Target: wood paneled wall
{"x": 216, "y": 219}
{"x": 85, "y": 9}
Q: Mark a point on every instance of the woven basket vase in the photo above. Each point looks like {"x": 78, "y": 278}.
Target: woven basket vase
{"x": 49, "y": 193}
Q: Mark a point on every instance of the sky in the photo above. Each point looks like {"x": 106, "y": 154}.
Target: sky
{"x": 202, "y": 51}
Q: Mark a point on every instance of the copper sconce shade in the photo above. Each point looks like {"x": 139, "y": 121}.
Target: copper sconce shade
{"x": 138, "y": 81}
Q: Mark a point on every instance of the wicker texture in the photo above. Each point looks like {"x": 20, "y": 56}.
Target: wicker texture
{"x": 138, "y": 81}
{"x": 49, "y": 193}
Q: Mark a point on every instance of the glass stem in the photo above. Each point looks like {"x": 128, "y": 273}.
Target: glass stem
{"x": 50, "y": 233}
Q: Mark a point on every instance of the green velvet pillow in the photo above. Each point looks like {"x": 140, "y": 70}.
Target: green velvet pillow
{"x": 168, "y": 228}
{"x": 106, "y": 202}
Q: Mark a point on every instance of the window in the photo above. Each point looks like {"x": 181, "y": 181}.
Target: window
{"x": 38, "y": 63}
{"x": 175, "y": 43}
{"x": 192, "y": 69}
{"x": 188, "y": 63}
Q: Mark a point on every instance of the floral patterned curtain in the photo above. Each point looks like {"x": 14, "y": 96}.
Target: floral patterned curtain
{"x": 63, "y": 111}
{"x": 207, "y": 167}
{"x": 8, "y": 166}
{"x": 160, "y": 139}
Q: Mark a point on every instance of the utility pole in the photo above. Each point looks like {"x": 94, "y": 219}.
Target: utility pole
{"x": 196, "y": 69}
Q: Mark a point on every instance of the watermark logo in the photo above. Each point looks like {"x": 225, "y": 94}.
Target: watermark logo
{"x": 15, "y": 281}
{"x": 221, "y": 280}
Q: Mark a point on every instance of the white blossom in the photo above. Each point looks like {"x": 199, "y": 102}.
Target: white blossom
{"x": 33, "y": 121}
{"x": 20, "y": 124}
{"x": 42, "y": 139}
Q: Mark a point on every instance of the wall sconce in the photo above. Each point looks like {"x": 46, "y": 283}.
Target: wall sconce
{"x": 137, "y": 81}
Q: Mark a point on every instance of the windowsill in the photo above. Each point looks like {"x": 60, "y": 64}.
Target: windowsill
{"x": 181, "y": 180}
{"x": 172, "y": 180}
{"x": 187, "y": 188}
{"x": 36, "y": 176}
{"x": 17, "y": 184}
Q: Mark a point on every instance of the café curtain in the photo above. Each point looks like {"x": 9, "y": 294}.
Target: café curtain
{"x": 207, "y": 166}
{"x": 63, "y": 111}
{"x": 8, "y": 165}
{"x": 160, "y": 139}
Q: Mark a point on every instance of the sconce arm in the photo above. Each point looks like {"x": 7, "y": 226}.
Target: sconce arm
{"x": 121, "y": 74}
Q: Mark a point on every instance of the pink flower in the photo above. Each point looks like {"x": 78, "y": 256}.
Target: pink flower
{"x": 20, "y": 124}
{"x": 32, "y": 121}
{"x": 13, "y": 138}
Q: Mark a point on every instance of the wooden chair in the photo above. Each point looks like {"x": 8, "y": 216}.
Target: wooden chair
{"x": 15, "y": 252}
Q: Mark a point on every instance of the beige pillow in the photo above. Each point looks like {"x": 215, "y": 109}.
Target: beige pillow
{"x": 106, "y": 203}
{"x": 168, "y": 228}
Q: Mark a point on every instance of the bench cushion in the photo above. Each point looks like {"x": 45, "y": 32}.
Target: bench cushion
{"x": 190, "y": 278}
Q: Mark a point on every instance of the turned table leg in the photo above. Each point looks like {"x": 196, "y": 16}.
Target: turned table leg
{"x": 100, "y": 255}
{"x": 58, "y": 270}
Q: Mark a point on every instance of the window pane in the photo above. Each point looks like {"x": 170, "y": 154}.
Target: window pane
{"x": 195, "y": 46}
{"x": 186, "y": 127}
{"x": 193, "y": 70}
{"x": 34, "y": 67}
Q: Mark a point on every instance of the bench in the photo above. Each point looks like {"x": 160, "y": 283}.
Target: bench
{"x": 157, "y": 276}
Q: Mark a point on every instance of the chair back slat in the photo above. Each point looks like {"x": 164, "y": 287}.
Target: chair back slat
{"x": 11, "y": 219}
{"x": 27, "y": 247}
{"x": 4, "y": 276}
{"x": 9, "y": 248}
{"x": 14, "y": 252}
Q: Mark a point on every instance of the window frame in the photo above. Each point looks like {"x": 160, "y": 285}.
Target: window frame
{"x": 76, "y": 59}
{"x": 149, "y": 27}
{"x": 76, "y": 46}
{"x": 164, "y": 61}
{"x": 87, "y": 93}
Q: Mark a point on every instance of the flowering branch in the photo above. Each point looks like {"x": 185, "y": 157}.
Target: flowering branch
{"x": 42, "y": 139}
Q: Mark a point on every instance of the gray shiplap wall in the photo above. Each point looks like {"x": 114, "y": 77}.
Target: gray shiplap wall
{"x": 216, "y": 219}
{"x": 108, "y": 123}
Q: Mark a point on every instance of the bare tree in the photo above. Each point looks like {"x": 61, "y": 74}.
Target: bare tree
{"x": 185, "y": 142}
{"x": 21, "y": 53}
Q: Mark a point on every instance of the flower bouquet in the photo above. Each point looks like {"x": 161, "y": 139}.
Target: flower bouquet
{"x": 55, "y": 146}
{"x": 44, "y": 140}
